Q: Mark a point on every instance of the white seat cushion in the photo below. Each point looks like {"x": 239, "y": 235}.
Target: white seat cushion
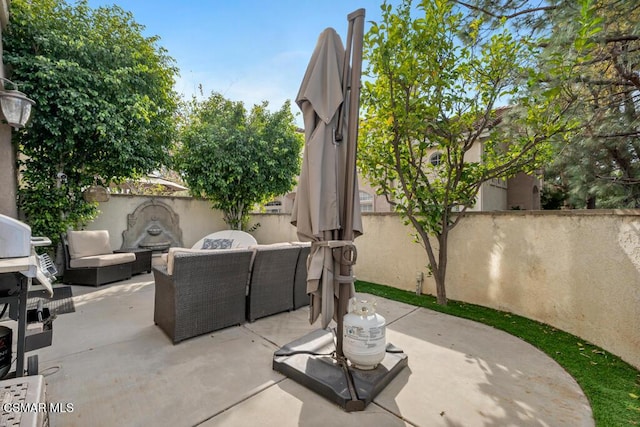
{"x": 173, "y": 251}
{"x": 102, "y": 260}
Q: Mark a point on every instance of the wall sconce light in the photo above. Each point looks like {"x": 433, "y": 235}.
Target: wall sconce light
{"x": 15, "y": 105}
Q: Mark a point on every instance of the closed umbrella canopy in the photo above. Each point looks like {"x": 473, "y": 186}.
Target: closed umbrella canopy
{"x": 319, "y": 207}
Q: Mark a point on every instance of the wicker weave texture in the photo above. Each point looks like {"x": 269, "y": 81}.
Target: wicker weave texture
{"x": 272, "y": 276}
{"x": 205, "y": 293}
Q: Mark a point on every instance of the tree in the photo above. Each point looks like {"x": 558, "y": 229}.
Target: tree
{"x": 600, "y": 165}
{"x": 105, "y": 105}
{"x": 238, "y": 159}
{"x": 433, "y": 89}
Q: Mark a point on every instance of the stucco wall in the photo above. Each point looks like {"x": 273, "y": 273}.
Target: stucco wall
{"x": 7, "y": 158}
{"x": 576, "y": 270}
{"x": 7, "y": 174}
{"x": 196, "y": 218}
{"x": 491, "y": 197}
{"x": 274, "y": 228}
{"x": 523, "y": 192}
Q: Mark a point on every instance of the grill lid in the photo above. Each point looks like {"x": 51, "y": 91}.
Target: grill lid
{"x": 15, "y": 238}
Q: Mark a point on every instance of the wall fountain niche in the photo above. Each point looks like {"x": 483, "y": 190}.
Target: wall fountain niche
{"x": 153, "y": 225}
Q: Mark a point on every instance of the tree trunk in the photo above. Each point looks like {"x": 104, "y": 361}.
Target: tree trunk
{"x": 233, "y": 216}
{"x": 441, "y": 293}
{"x": 438, "y": 267}
{"x": 440, "y": 273}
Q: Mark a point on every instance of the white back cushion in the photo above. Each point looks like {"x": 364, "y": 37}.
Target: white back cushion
{"x": 88, "y": 243}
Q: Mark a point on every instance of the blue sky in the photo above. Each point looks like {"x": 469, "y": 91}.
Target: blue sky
{"x": 248, "y": 50}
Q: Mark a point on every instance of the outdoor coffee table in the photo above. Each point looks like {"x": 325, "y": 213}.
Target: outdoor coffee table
{"x": 142, "y": 264}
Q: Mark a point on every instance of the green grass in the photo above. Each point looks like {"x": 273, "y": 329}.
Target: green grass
{"x": 611, "y": 385}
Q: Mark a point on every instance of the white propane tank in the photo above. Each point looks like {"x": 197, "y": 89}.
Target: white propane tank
{"x": 364, "y": 342}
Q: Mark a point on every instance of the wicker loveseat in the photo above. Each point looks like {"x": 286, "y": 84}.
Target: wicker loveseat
{"x": 273, "y": 273}
{"x": 200, "y": 291}
{"x": 278, "y": 279}
{"x": 89, "y": 259}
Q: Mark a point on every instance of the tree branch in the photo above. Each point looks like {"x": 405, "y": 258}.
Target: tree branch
{"x": 623, "y": 38}
{"x": 617, "y": 135}
{"x": 513, "y": 15}
{"x": 618, "y": 180}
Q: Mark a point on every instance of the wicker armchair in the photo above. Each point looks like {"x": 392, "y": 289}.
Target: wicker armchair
{"x": 205, "y": 292}
{"x": 272, "y": 275}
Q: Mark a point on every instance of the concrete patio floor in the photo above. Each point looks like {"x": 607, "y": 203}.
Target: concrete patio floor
{"x": 119, "y": 369}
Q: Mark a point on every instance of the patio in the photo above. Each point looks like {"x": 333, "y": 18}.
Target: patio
{"x": 117, "y": 368}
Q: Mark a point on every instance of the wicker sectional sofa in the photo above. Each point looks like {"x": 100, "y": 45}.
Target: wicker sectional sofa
{"x": 89, "y": 259}
{"x": 203, "y": 293}
{"x": 273, "y": 272}
{"x": 200, "y": 291}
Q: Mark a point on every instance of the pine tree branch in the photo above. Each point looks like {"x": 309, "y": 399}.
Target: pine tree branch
{"x": 630, "y": 76}
{"x": 623, "y": 38}
{"x": 609, "y": 82}
{"x": 513, "y": 15}
{"x": 617, "y": 135}
{"x": 618, "y": 180}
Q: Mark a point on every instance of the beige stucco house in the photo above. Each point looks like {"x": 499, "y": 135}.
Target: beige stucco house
{"x": 521, "y": 192}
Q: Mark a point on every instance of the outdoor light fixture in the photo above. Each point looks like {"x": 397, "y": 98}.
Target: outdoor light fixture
{"x": 15, "y": 105}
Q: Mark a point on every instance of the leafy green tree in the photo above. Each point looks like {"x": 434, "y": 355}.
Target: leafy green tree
{"x": 105, "y": 105}
{"x": 599, "y": 166}
{"x": 237, "y": 159}
{"x": 432, "y": 90}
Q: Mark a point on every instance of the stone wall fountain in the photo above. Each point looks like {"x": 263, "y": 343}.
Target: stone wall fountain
{"x": 153, "y": 225}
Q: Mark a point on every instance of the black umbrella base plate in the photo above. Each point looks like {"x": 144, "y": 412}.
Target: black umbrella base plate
{"x": 310, "y": 361}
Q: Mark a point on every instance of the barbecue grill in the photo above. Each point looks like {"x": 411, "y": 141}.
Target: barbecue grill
{"x": 20, "y": 266}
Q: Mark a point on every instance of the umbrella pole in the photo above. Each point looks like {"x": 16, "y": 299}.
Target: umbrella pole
{"x": 356, "y": 24}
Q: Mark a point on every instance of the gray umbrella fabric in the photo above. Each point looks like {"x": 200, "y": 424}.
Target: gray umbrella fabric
{"x": 327, "y": 212}
{"x": 318, "y": 210}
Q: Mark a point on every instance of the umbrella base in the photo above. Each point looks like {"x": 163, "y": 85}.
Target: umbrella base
{"x": 309, "y": 361}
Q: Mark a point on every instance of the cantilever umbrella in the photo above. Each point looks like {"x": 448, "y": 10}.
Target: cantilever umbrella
{"x": 326, "y": 212}
{"x": 321, "y": 209}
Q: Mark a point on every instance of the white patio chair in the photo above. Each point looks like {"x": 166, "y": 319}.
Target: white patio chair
{"x": 226, "y": 239}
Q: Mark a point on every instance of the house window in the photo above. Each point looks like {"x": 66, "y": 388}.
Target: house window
{"x": 366, "y": 202}
{"x": 436, "y": 159}
{"x": 274, "y": 206}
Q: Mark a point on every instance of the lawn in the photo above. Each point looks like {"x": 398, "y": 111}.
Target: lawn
{"x": 611, "y": 385}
